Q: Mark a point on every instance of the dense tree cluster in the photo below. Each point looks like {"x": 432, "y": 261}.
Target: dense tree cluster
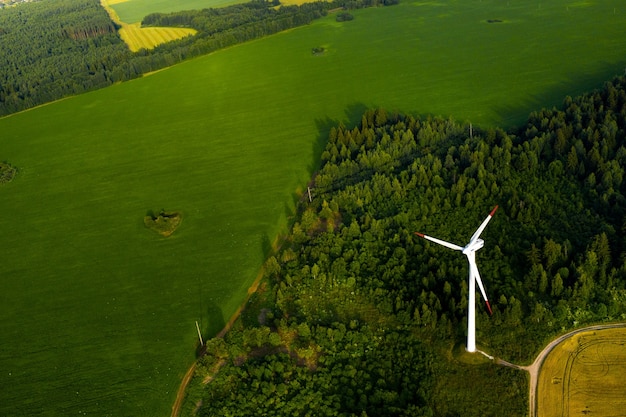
{"x": 55, "y": 48}
{"x": 357, "y": 316}
{"x": 212, "y": 21}
{"x": 344, "y": 17}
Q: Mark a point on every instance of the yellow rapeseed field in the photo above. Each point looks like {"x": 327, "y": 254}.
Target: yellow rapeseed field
{"x": 584, "y": 375}
{"x": 137, "y": 37}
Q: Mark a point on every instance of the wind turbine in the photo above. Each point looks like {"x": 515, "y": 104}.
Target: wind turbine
{"x": 469, "y": 250}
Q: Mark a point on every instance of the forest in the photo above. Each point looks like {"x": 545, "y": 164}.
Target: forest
{"x": 52, "y": 49}
{"x": 357, "y": 316}
{"x": 57, "y": 48}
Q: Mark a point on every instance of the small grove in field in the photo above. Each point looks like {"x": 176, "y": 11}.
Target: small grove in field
{"x": 7, "y": 172}
{"x": 375, "y": 316}
{"x": 164, "y": 223}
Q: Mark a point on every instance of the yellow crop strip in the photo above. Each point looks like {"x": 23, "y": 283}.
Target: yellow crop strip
{"x": 137, "y": 37}
{"x": 292, "y": 2}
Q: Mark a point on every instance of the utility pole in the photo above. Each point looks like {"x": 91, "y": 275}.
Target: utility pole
{"x": 310, "y": 199}
{"x": 199, "y": 334}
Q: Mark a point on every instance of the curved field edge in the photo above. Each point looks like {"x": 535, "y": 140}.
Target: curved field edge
{"x": 584, "y": 374}
{"x": 164, "y": 143}
{"x": 181, "y": 393}
{"x": 612, "y": 97}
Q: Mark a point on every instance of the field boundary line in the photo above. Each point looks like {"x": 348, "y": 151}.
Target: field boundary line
{"x": 180, "y": 395}
{"x": 535, "y": 368}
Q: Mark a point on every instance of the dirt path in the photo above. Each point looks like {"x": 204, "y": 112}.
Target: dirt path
{"x": 535, "y": 367}
{"x": 180, "y": 395}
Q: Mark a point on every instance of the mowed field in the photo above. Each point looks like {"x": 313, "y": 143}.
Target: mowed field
{"x": 584, "y": 375}
{"x": 97, "y": 313}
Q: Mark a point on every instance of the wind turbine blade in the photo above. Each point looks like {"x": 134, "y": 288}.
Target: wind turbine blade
{"x": 480, "y": 229}
{"x": 441, "y": 242}
{"x": 474, "y": 268}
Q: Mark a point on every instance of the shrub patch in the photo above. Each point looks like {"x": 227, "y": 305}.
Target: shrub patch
{"x": 7, "y": 172}
{"x": 164, "y": 223}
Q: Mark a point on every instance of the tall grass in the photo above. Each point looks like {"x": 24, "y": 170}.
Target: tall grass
{"x": 97, "y": 312}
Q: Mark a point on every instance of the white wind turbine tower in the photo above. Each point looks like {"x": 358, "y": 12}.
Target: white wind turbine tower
{"x": 469, "y": 250}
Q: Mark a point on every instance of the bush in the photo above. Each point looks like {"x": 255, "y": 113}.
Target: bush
{"x": 344, "y": 17}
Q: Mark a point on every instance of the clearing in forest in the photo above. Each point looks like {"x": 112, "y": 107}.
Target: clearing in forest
{"x": 583, "y": 375}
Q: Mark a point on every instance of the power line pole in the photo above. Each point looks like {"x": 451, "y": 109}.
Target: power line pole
{"x": 199, "y": 334}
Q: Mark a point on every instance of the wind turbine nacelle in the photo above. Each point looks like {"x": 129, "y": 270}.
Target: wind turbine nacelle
{"x": 473, "y": 246}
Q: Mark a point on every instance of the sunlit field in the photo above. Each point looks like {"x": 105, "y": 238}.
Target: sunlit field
{"x": 98, "y": 312}
{"x": 584, "y": 375}
{"x": 133, "y": 11}
{"x": 137, "y": 37}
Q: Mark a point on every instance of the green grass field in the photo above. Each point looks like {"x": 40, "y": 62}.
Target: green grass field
{"x": 132, "y": 11}
{"x": 98, "y": 312}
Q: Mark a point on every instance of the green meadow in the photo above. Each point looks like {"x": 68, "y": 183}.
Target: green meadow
{"x": 131, "y": 11}
{"x": 98, "y": 312}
